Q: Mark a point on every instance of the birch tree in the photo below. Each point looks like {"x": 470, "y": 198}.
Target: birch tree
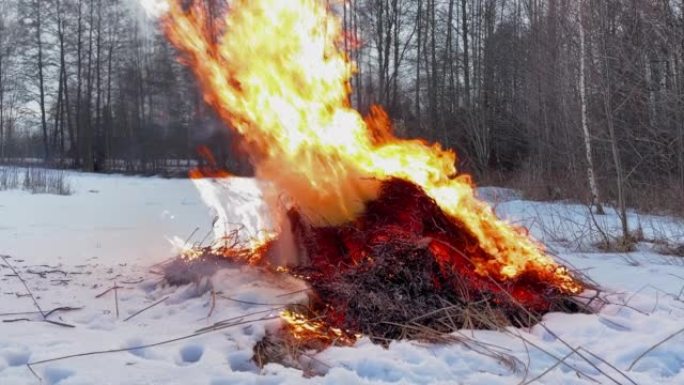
{"x": 591, "y": 174}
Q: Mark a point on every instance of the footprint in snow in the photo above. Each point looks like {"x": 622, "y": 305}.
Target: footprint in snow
{"x": 241, "y": 361}
{"x": 16, "y": 356}
{"x": 132, "y": 343}
{"x": 53, "y": 375}
{"x": 191, "y": 353}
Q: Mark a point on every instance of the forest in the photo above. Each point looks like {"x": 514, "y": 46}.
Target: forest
{"x": 562, "y": 99}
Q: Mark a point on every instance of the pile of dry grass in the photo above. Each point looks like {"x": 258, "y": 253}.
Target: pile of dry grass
{"x": 403, "y": 293}
{"x": 402, "y": 270}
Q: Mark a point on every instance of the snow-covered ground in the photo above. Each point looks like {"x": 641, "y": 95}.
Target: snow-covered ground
{"x": 112, "y": 231}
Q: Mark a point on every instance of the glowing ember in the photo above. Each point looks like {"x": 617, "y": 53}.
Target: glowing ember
{"x": 277, "y": 76}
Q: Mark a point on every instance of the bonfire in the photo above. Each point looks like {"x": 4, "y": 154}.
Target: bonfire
{"x": 390, "y": 237}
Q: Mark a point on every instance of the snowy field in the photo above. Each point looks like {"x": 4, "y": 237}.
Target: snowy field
{"x": 112, "y": 231}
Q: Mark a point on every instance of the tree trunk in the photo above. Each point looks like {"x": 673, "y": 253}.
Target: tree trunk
{"x": 62, "y": 60}
{"x": 110, "y": 123}
{"x": 591, "y": 175}
{"x": 419, "y": 27}
{"x": 433, "y": 56}
{"x": 380, "y": 26}
{"x": 357, "y": 55}
{"x": 466, "y": 63}
{"x": 387, "y": 49}
{"x": 41, "y": 82}
{"x": 58, "y": 115}
{"x": 98, "y": 92}
{"x": 610, "y": 122}
{"x": 680, "y": 105}
{"x": 346, "y": 25}
{"x": 396, "y": 44}
{"x": 88, "y": 134}
{"x": 2, "y": 91}
{"x": 78, "y": 150}
{"x": 447, "y": 68}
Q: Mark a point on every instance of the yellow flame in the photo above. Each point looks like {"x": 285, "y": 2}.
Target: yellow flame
{"x": 277, "y": 76}
{"x": 304, "y": 329}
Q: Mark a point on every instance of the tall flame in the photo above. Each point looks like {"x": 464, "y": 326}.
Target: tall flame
{"x": 276, "y": 74}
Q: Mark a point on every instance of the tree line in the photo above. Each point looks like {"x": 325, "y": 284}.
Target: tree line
{"x": 93, "y": 85}
{"x": 580, "y": 98}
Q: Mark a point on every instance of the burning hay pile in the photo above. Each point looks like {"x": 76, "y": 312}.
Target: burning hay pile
{"x": 405, "y": 267}
{"x": 388, "y": 234}
{"x": 402, "y": 270}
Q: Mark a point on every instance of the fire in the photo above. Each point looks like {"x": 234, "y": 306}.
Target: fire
{"x": 305, "y": 329}
{"x": 277, "y": 76}
{"x": 211, "y": 170}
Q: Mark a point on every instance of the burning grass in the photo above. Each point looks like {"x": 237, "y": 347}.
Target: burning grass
{"x": 404, "y": 294}
{"x": 391, "y": 232}
{"x": 402, "y": 270}
{"x": 405, "y": 269}
{"x": 395, "y": 243}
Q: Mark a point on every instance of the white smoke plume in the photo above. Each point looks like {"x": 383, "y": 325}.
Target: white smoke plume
{"x": 155, "y": 8}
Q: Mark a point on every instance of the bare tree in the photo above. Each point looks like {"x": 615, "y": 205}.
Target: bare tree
{"x": 466, "y": 51}
{"x": 4, "y": 50}
{"x": 591, "y": 174}
{"x": 40, "y": 63}
{"x": 610, "y": 120}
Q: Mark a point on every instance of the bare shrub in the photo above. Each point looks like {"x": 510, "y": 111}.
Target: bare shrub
{"x": 535, "y": 185}
{"x": 46, "y": 181}
{"x": 663, "y": 197}
{"x": 9, "y": 178}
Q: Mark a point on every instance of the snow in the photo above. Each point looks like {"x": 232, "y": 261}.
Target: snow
{"x": 114, "y": 230}
{"x": 568, "y": 226}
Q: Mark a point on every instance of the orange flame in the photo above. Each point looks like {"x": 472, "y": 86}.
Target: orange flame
{"x": 305, "y": 329}
{"x": 277, "y": 76}
{"x": 211, "y": 170}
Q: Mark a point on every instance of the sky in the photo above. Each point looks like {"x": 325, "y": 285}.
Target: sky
{"x": 154, "y": 8}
